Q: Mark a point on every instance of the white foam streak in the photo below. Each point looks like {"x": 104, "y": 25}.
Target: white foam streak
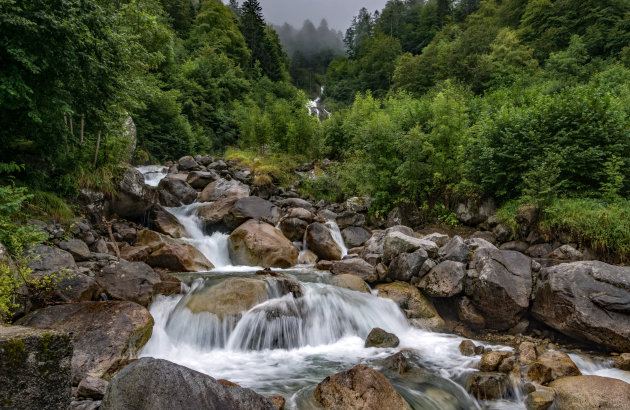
{"x": 337, "y": 237}
{"x": 153, "y": 174}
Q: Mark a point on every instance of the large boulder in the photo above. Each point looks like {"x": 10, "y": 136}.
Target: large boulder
{"x": 187, "y": 163}
{"x": 106, "y": 334}
{"x": 355, "y": 236}
{"x": 175, "y": 192}
{"x": 375, "y": 244}
{"x": 212, "y": 214}
{"x": 358, "y": 388}
{"x": 77, "y": 286}
{"x": 201, "y": 179}
{"x": 222, "y": 188}
{"x": 589, "y": 301}
{"x": 499, "y": 285}
{"x": 445, "y": 280}
{"x": 132, "y": 281}
{"x": 351, "y": 282}
{"x": 473, "y": 213}
{"x": 320, "y": 241}
{"x": 416, "y": 307}
{"x": 179, "y": 257}
{"x": 591, "y": 392}
{"x": 166, "y": 223}
{"x": 171, "y": 386}
{"x": 407, "y": 265}
{"x": 357, "y": 267}
{"x": 133, "y": 198}
{"x": 293, "y": 228}
{"x": 230, "y": 297}
{"x": 350, "y": 218}
{"x": 455, "y": 250}
{"x": 46, "y": 260}
{"x": 260, "y": 244}
{"x": 77, "y": 248}
{"x": 252, "y": 207}
{"x": 397, "y": 243}
{"x": 35, "y": 371}
{"x": 296, "y": 203}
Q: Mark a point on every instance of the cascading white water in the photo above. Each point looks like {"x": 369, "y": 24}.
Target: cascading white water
{"x": 287, "y": 345}
{"x": 153, "y": 174}
{"x": 214, "y": 247}
{"x": 337, "y": 237}
{"x": 314, "y": 105}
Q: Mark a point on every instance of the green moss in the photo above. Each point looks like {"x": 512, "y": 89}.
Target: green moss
{"x": 15, "y": 353}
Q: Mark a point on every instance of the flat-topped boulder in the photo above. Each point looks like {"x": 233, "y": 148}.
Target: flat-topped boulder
{"x": 230, "y": 297}
{"x": 418, "y": 309}
{"x": 251, "y": 207}
{"x": 222, "y": 188}
{"x": 132, "y": 281}
{"x": 591, "y": 392}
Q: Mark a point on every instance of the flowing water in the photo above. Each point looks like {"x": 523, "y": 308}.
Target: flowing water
{"x": 287, "y": 346}
{"x": 153, "y": 174}
{"x": 314, "y": 107}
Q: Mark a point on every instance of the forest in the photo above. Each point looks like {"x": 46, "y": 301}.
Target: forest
{"x": 433, "y": 102}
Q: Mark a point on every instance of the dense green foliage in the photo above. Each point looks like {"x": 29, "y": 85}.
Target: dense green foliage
{"x": 434, "y": 101}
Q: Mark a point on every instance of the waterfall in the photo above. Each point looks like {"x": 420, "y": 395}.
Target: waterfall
{"x": 337, "y": 237}
{"x": 153, "y": 174}
{"x": 313, "y": 106}
{"x": 214, "y": 247}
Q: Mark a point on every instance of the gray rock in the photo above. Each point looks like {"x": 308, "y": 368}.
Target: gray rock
{"x": 357, "y": 267}
{"x": 106, "y": 334}
{"x": 175, "y": 387}
{"x": 355, "y": 236}
{"x": 397, "y": 243}
{"x": 499, "y": 285}
{"x": 407, "y": 265}
{"x": 35, "y": 371}
{"x": 478, "y": 243}
{"x": 455, "y": 250}
{"x": 187, "y": 163}
{"x": 134, "y": 197}
{"x": 218, "y": 165}
{"x": 356, "y": 204}
{"x": 502, "y": 233}
{"x": 46, "y": 260}
{"x": 92, "y": 388}
{"x": 591, "y": 392}
{"x": 376, "y": 243}
{"x": 84, "y": 405}
{"x": 251, "y": 207}
{"x": 201, "y": 179}
{"x": 445, "y": 280}
{"x": 296, "y": 203}
{"x": 472, "y": 213}
{"x": 320, "y": 241}
{"x": 222, "y": 188}
{"x": 380, "y": 338}
{"x": 589, "y": 301}
{"x": 350, "y": 218}
{"x": 132, "y": 281}
{"x": 487, "y": 385}
{"x": 293, "y": 228}
{"x": 539, "y": 251}
{"x": 439, "y": 239}
{"x": 174, "y": 192}
{"x": 467, "y": 313}
{"x": 77, "y": 287}
{"x": 518, "y": 246}
{"x": 567, "y": 253}
{"x": 125, "y": 233}
{"x": 77, "y": 248}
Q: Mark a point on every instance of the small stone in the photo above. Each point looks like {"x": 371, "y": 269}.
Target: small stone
{"x": 380, "y": 338}
{"x": 552, "y": 365}
{"x": 397, "y": 363}
{"x": 540, "y": 399}
{"x": 623, "y": 361}
{"x": 487, "y": 386}
{"x": 491, "y": 360}
{"x": 92, "y": 388}
{"x": 527, "y": 353}
{"x": 278, "y": 401}
{"x": 507, "y": 364}
{"x": 467, "y": 348}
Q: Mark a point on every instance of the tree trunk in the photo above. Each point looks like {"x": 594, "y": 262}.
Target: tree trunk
{"x": 82, "y": 126}
{"x": 98, "y": 143}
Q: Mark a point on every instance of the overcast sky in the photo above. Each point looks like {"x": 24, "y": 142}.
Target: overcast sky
{"x": 339, "y": 13}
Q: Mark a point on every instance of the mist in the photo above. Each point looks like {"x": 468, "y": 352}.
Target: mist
{"x": 338, "y": 13}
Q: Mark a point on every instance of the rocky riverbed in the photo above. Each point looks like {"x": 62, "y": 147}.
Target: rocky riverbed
{"x": 171, "y": 268}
